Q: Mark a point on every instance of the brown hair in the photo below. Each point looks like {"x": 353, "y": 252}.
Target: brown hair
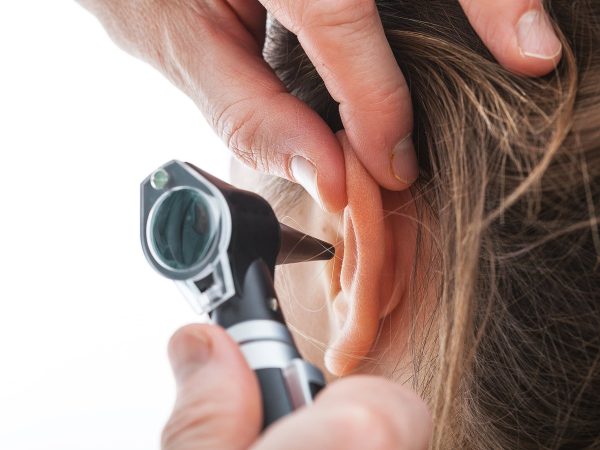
{"x": 510, "y": 175}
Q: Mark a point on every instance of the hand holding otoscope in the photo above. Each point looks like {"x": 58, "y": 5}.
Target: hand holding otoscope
{"x": 220, "y": 245}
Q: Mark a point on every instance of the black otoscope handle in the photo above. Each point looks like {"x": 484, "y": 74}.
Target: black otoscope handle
{"x": 286, "y": 381}
{"x": 286, "y": 390}
{"x": 256, "y": 323}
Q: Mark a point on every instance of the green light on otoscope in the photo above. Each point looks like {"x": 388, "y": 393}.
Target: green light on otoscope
{"x": 159, "y": 179}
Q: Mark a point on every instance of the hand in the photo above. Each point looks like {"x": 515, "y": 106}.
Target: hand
{"x": 218, "y": 406}
{"x": 213, "y": 52}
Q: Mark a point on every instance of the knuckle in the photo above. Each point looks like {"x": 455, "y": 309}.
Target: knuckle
{"x": 361, "y": 422}
{"x": 241, "y": 139}
{"x": 391, "y": 97}
{"x": 371, "y": 416}
{"x": 181, "y": 334}
{"x": 414, "y": 423}
{"x": 354, "y": 14}
{"x": 241, "y": 133}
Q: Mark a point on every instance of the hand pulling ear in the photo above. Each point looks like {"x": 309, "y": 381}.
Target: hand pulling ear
{"x": 357, "y": 305}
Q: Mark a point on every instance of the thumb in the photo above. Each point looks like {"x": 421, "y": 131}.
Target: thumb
{"x": 218, "y": 403}
{"x": 519, "y": 33}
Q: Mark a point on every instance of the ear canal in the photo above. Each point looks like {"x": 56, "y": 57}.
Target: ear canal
{"x": 356, "y": 307}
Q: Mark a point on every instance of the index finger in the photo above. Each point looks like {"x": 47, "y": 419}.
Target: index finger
{"x": 346, "y": 42}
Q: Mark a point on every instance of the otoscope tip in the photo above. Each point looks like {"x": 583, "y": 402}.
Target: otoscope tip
{"x": 300, "y": 247}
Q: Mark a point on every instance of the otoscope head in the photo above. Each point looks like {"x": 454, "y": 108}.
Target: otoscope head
{"x": 204, "y": 234}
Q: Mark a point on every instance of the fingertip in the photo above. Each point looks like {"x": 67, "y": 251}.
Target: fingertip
{"x": 519, "y": 34}
{"x": 538, "y": 44}
{"x": 403, "y": 163}
{"x": 189, "y": 348}
{"x": 332, "y": 185}
{"x": 395, "y": 170}
{"x": 218, "y": 399}
{"x": 198, "y": 342}
{"x": 185, "y": 337}
{"x": 324, "y": 180}
{"x": 408, "y": 412}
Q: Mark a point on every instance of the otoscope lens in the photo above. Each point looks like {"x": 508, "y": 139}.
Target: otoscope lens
{"x": 183, "y": 229}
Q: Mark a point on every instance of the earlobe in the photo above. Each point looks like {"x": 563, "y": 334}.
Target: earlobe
{"x": 356, "y": 307}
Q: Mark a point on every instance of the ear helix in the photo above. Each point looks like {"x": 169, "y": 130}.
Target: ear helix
{"x": 356, "y": 306}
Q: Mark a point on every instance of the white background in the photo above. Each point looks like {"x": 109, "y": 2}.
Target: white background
{"x": 84, "y": 320}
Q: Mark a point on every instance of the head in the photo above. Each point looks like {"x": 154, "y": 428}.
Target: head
{"x": 480, "y": 286}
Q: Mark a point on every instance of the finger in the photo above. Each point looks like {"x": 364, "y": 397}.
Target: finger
{"x": 265, "y": 126}
{"x": 253, "y": 15}
{"x": 517, "y": 32}
{"x": 346, "y": 42}
{"x": 355, "y": 413}
{"x": 218, "y": 402}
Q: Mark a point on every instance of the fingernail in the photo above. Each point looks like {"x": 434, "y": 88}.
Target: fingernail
{"x": 404, "y": 161}
{"x": 536, "y": 37}
{"x": 189, "y": 352}
{"x": 305, "y": 173}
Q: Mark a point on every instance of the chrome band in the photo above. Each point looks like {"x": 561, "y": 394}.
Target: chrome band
{"x": 268, "y": 354}
{"x": 267, "y": 344}
{"x": 298, "y": 376}
{"x": 259, "y": 330}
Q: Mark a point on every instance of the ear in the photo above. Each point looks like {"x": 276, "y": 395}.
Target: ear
{"x": 366, "y": 274}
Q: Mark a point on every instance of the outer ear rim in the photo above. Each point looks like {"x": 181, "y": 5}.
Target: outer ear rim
{"x": 361, "y": 268}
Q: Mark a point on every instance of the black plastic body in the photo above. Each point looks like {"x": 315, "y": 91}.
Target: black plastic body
{"x": 255, "y": 230}
{"x": 254, "y": 249}
{"x": 254, "y": 302}
{"x": 275, "y": 397}
{"x": 296, "y": 246}
{"x": 257, "y": 234}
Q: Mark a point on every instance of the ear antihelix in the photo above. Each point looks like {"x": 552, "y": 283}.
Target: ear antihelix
{"x": 356, "y": 307}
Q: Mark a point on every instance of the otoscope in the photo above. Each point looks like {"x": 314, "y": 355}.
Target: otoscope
{"x": 220, "y": 245}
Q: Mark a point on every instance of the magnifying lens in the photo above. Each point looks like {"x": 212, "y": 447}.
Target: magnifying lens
{"x": 220, "y": 245}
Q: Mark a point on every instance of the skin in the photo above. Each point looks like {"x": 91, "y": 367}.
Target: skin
{"x": 342, "y": 307}
{"x": 336, "y": 307}
{"x": 214, "y": 412}
{"x": 213, "y": 52}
